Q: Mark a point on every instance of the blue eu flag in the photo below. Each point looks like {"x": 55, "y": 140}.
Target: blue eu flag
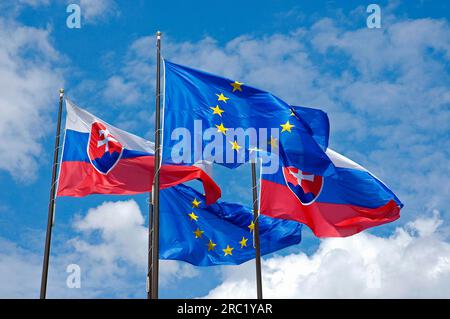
{"x": 219, "y": 234}
{"x": 317, "y": 123}
{"x": 224, "y": 121}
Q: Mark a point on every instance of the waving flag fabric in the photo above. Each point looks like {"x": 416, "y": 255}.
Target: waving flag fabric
{"x": 317, "y": 123}
{"x": 101, "y": 159}
{"x": 205, "y": 117}
{"x": 220, "y": 234}
{"x": 334, "y": 206}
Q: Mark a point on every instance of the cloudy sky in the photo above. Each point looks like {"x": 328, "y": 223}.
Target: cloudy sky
{"x": 386, "y": 91}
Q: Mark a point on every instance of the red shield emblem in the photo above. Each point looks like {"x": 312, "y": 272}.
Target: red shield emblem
{"x": 305, "y": 186}
{"x": 104, "y": 150}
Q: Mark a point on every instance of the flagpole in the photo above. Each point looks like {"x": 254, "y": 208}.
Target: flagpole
{"x": 51, "y": 204}
{"x": 256, "y": 233}
{"x": 155, "y": 238}
{"x": 150, "y": 246}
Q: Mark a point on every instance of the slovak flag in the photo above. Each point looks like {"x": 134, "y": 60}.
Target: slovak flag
{"x": 339, "y": 205}
{"x": 99, "y": 158}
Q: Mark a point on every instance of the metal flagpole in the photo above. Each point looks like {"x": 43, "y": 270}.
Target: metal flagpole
{"x": 256, "y": 233}
{"x": 51, "y": 204}
{"x": 155, "y": 226}
{"x": 150, "y": 245}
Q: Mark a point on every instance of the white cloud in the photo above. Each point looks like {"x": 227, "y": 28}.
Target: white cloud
{"x": 20, "y": 275}
{"x": 411, "y": 263}
{"x": 123, "y": 238}
{"x": 33, "y": 3}
{"x": 93, "y": 11}
{"x": 14, "y": 7}
{"x": 122, "y": 232}
{"x": 29, "y": 83}
{"x": 117, "y": 88}
{"x": 19, "y": 272}
{"x": 133, "y": 82}
{"x": 111, "y": 250}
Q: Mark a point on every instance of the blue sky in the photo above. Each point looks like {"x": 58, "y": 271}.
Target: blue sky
{"x": 386, "y": 92}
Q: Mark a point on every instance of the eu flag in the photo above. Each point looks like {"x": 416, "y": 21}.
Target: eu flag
{"x": 317, "y": 123}
{"x": 215, "y": 119}
{"x": 219, "y": 234}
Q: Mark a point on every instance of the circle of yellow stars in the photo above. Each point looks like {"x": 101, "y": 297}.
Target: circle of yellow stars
{"x": 219, "y": 111}
{"x": 198, "y": 233}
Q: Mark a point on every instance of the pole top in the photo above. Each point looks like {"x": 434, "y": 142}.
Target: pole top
{"x": 158, "y": 34}
{"x": 61, "y": 92}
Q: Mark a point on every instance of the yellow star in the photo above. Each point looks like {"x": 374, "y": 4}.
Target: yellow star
{"x": 236, "y": 86}
{"x": 286, "y": 127}
{"x": 228, "y": 250}
{"x": 196, "y": 203}
{"x": 193, "y": 216}
{"x": 251, "y": 226}
{"x": 221, "y": 129}
{"x": 211, "y": 245}
{"x": 292, "y": 113}
{"x": 198, "y": 233}
{"x": 217, "y": 110}
{"x": 235, "y": 146}
{"x": 221, "y": 97}
{"x": 243, "y": 242}
{"x": 273, "y": 142}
